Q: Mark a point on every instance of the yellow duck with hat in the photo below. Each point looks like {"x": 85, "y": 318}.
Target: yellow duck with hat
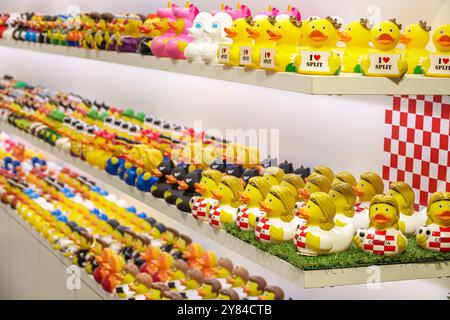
{"x": 320, "y": 235}
{"x": 239, "y": 36}
{"x": 384, "y": 60}
{"x": 437, "y": 64}
{"x": 261, "y": 41}
{"x": 356, "y": 37}
{"x": 415, "y": 38}
{"x": 383, "y": 236}
{"x": 369, "y": 185}
{"x": 201, "y": 205}
{"x": 344, "y": 198}
{"x": 435, "y": 235}
{"x": 318, "y": 56}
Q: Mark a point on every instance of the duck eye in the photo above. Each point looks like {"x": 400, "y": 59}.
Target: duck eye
{"x": 313, "y": 27}
{"x": 390, "y": 30}
{"x": 323, "y": 27}
{"x": 215, "y": 25}
{"x": 309, "y": 206}
{"x": 376, "y": 208}
{"x": 362, "y": 184}
{"x": 334, "y": 195}
{"x": 270, "y": 200}
{"x": 440, "y": 206}
{"x": 442, "y": 31}
{"x": 279, "y": 27}
{"x": 198, "y": 25}
{"x": 349, "y": 29}
{"x": 387, "y": 209}
{"x": 257, "y": 25}
{"x": 380, "y": 29}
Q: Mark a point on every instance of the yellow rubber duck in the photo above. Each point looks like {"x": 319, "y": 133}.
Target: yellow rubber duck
{"x": 436, "y": 234}
{"x": 318, "y": 56}
{"x": 287, "y": 33}
{"x": 410, "y": 220}
{"x": 254, "y": 287}
{"x": 384, "y": 60}
{"x": 279, "y": 223}
{"x": 356, "y": 36}
{"x": 263, "y": 49}
{"x": 383, "y": 236}
{"x": 314, "y": 183}
{"x": 344, "y": 198}
{"x": 273, "y": 175}
{"x": 324, "y": 171}
{"x": 415, "y": 38}
{"x": 141, "y": 286}
{"x": 200, "y": 206}
{"x": 437, "y": 64}
{"x": 369, "y": 185}
{"x": 272, "y": 293}
{"x": 319, "y": 235}
{"x": 227, "y": 195}
{"x": 255, "y": 191}
{"x": 230, "y": 54}
{"x": 210, "y": 289}
{"x": 346, "y": 177}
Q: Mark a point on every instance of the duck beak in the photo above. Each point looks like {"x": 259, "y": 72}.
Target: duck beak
{"x": 303, "y": 194}
{"x": 170, "y": 179}
{"x": 380, "y": 218}
{"x": 444, "y": 215}
{"x": 405, "y": 39}
{"x": 172, "y": 25}
{"x": 358, "y": 191}
{"x": 444, "y": 40}
{"x": 216, "y": 195}
{"x": 201, "y": 292}
{"x": 230, "y": 32}
{"x": 344, "y": 37}
{"x": 183, "y": 281}
{"x": 199, "y": 188}
{"x": 246, "y": 289}
{"x": 244, "y": 197}
{"x": 264, "y": 207}
{"x": 157, "y": 25}
{"x": 120, "y": 276}
{"x": 274, "y": 35}
{"x": 385, "y": 38}
{"x": 156, "y": 172}
{"x": 230, "y": 279}
{"x": 132, "y": 287}
{"x": 302, "y": 213}
{"x": 182, "y": 185}
{"x": 317, "y": 35}
{"x": 144, "y": 29}
{"x": 252, "y": 33}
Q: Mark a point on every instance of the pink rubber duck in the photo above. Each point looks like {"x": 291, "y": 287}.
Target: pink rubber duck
{"x": 185, "y": 17}
{"x": 241, "y": 11}
{"x": 166, "y": 15}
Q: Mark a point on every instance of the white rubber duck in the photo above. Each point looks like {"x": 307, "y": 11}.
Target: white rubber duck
{"x": 216, "y": 35}
{"x": 197, "y": 32}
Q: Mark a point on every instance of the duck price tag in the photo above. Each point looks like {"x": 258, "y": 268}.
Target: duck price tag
{"x": 439, "y": 64}
{"x": 224, "y": 53}
{"x": 245, "y": 57}
{"x": 315, "y": 61}
{"x": 267, "y": 58}
{"x": 386, "y": 63}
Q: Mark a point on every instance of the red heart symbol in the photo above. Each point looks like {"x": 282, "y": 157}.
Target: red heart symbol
{"x": 386, "y": 59}
{"x": 317, "y": 56}
{"x": 245, "y": 52}
{"x": 445, "y": 60}
{"x": 268, "y": 55}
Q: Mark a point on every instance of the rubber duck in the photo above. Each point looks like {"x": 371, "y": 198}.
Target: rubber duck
{"x": 437, "y": 64}
{"x": 319, "y": 235}
{"x": 255, "y": 191}
{"x": 383, "y": 236}
{"x": 254, "y": 287}
{"x": 172, "y": 193}
{"x": 262, "y": 49}
{"x": 227, "y": 294}
{"x": 415, "y": 38}
{"x": 210, "y": 289}
{"x": 149, "y": 32}
{"x": 215, "y": 34}
{"x": 156, "y": 291}
{"x": 272, "y": 293}
{"x": 286, "y": 34}
{"x": 238, "y": 279}
{"x": 164, "y": 264}
{"x": 435, "y": 234}
{"x": 273, "y": 175}
{"x": 184, "y": 19}
{"x": 193, "y": 50}
{"x": 384, "y": 60}
{"x": 128, "y": 275}
{"x": 150, "y": 256}
{"x": 201, "y": 205}
{"x": 294, "y": 182}
{"x": 161, "y": 172}
{"x": 314, "y": 183}
{"x": 180, "y": 245}
{"x": 141, "y": 287}
{"x": 230, "y": 54}
{"x": 318, "y": 57}
{"x": 346, "y": 177}
{"x": 178, "y": 272}
{"x": 410, "y": 221}
{"x": 369, "y": 185}
{"x": 279, "y": 223}
{"x": 166, "y": 15}
{"x": 172, "y": 295}
{"x": 227, "y": 195}
{"x": 344, "y": 198}
{"x": 356, "y": 36}
{"x": 101, "y": 272}
{"x": 131, "y": 36}
{"x": 194, "y": 280}
{"x": 188, "y": 187}
{"x": 192, "y": 254}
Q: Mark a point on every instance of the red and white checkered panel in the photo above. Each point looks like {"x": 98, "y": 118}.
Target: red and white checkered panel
{"x": 417, "y": 144}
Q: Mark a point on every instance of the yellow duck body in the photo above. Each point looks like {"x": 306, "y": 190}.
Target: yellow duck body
{"x": 238, "y": 34}
{"x": 261, "y": 39}
{"x": 415, "y": 38}
{"x": 286, "y": 34}
{"x": 384, "y": 36}
{"x": 356, "y": 37}
{"x": 319, "y": 57}
{"x": 437, "y": 64}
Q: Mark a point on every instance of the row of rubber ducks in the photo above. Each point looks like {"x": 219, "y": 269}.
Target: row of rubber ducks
{"x": 272, "y": 40}
{"x": 129, "y": 254}
{"x": 277, "y": 203}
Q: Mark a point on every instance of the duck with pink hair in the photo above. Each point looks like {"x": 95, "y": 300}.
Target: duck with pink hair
{"x": 166, "y": 15}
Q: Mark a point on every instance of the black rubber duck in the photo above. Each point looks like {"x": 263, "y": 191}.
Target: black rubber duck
{"x": 303, "y": 172}
{"x": 249, "y": 173}
{"x": 234, "y": 170}
{"x": 173, "y": 193}
{"x": 188, "y": 186}
{"x": 164, "y": 169}
{"x": 287, "y": 167}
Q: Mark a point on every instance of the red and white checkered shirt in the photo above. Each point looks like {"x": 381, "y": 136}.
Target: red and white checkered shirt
{"x": 199, "y": 207}
{"x": 242, "y": 218}
{"x": 262, "y": 230}
{"x": 439, "y": 240}
{"x": 214, "y": 216}
{"x": 300, "y": 237}
{"x": 380, "y": 242}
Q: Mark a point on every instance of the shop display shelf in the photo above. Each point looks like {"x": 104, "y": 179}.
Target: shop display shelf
{"x": 344, "y": 84}
{"x": 86, "y": 279}
{"x": 301, "y": 278}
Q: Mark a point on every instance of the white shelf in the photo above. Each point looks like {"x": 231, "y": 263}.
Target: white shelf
{"x": 304, "y": 279}
{"x": 344, "y": 84}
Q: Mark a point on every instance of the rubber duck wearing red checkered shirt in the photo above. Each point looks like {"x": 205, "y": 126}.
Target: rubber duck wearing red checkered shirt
{"x": 320, "y": 235}
{"x": 200, "y": 206}
{"x": 369, "y": 185}
{"x": 435, "y": 235}
{"x": 410, "y": 220}
{"x": 383, "y": 236}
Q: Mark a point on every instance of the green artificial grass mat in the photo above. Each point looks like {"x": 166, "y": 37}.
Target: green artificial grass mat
{"x": 348, "y": 259}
